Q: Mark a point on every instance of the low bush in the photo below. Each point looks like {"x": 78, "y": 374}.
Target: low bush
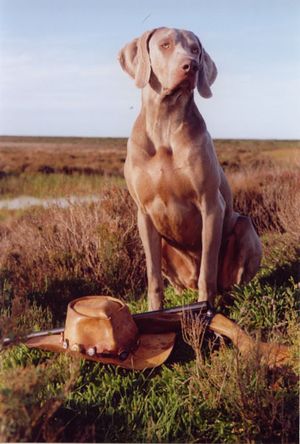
{"x": 270, "y": 196}
{"x": 58, "y": 254}
{"x": 32, "y": 390}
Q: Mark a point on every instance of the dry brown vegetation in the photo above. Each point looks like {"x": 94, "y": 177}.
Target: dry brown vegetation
{"x": 95, "y": 248}
{"x": 271, "y": 196}
{"x": 106, "y": 155}
{"x": 32, "y": 418}
{"x": 62, "y": 155}
{"x": 49, "y": 256}
{"x": 83, "y": 249}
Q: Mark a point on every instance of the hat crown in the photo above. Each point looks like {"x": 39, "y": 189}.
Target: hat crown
{"x": 101, "y": 307}
{"x": 100, "y": 323}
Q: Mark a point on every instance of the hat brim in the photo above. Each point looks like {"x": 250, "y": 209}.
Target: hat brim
{"x": 152, "y": 351}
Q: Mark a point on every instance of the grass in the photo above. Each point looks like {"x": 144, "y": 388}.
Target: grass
{"x": 217, "y": 399}
{"x": 49, "y": 256}
{"x": 55, "y": 185}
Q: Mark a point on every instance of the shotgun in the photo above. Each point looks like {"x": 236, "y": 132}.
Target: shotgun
{"x": 158, "y": 321}
{"x": 170, "y": 319}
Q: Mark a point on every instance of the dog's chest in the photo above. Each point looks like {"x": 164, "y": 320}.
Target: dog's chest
{"x": 164, "y": 188}
{"x": 164, "y": 176}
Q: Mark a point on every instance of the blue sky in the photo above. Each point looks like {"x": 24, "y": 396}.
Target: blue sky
{"x": 59, "y": 73}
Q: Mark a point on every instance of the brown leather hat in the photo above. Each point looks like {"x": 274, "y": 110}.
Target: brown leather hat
{"x": 101, "y": 328}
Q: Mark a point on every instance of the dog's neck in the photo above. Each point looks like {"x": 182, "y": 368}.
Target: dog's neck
{"x": 166, "y": 114}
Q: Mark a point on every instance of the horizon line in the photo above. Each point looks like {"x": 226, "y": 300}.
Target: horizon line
{"x": 127, "y": 137}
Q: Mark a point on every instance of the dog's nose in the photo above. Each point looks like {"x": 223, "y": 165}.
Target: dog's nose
{"x": 191, "y": 65}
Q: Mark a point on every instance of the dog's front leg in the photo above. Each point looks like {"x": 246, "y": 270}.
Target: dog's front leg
{"x": 151, "y": 241}
{"x": 212, "y": 211}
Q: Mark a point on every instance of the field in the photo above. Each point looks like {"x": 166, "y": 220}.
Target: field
{"x": 48, "y": 256}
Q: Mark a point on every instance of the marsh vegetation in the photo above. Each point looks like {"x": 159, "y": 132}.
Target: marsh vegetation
{"x": 48, "y": 256}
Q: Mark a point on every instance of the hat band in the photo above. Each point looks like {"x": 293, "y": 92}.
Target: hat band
{"x": 92, "y": 350}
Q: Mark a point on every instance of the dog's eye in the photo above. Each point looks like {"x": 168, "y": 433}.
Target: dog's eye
{"x": 195, "y": 50}
{"x": 165, "y": 45}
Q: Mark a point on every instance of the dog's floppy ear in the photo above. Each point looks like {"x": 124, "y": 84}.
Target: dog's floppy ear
{"x": 207, "y": 75}
{"x": 134, "y": 59}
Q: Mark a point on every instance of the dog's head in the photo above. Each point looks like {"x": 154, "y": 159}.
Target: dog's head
{"x": 169, "y": 60}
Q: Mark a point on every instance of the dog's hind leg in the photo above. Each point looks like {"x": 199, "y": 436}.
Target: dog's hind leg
{"x": 240, "y": 255}
{"x": 181, "y": 270}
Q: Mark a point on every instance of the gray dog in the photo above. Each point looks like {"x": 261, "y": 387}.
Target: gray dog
{"x": 186, "y": 221}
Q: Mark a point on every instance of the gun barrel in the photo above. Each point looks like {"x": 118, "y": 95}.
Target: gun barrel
{"x": 158, "y": 321}
{"x": 197, "y": 306}
{"x": 166, "y": 320}
{"x": 9, "y": 341}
